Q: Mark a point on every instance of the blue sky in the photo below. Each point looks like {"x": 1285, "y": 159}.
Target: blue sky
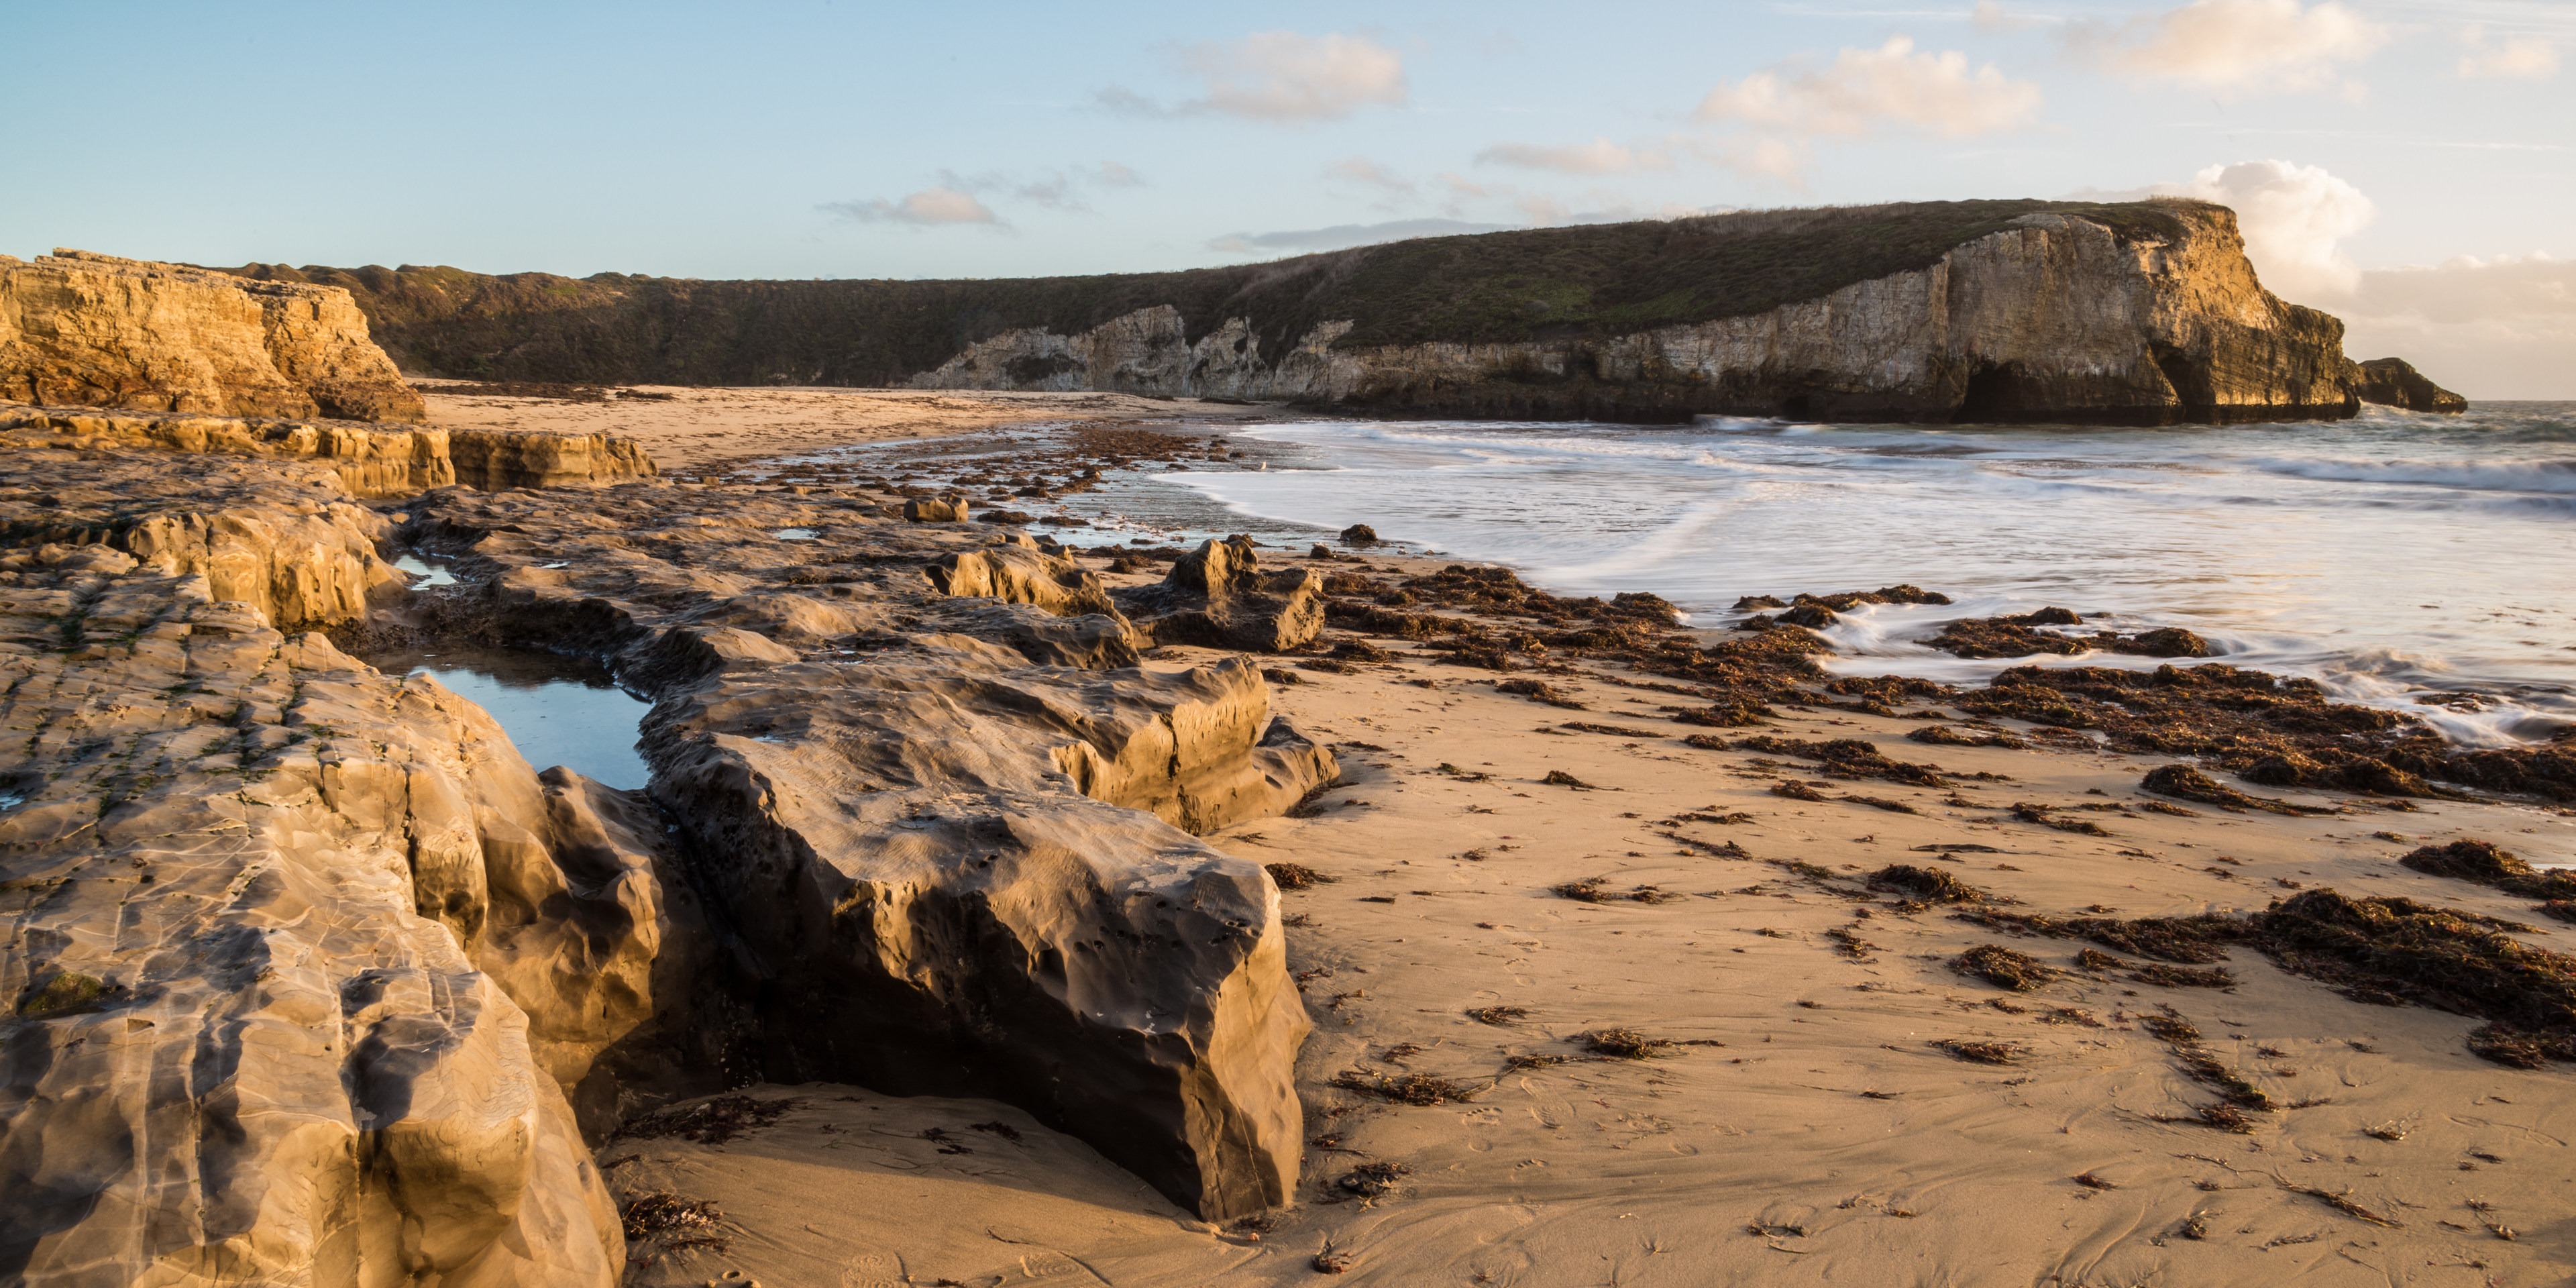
{"x": 2405, "y": 164}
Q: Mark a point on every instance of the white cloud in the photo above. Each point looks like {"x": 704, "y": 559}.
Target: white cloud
{"x": 1362, "y": 172}
{"x": 1864, "y": 89}
{"x": 929, "y": 207}
{"x": 2294, "y": 218}
{"x": 1110, "y": 174}
{"x": 1600, "y": 156}
{"x": 2503, "y": 327}
{"x": 2524, "y": 57}
{"x": 1282, "y": 77}
{"x": 2238, "y": 44}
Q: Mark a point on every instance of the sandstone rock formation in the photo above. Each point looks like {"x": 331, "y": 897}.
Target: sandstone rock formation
{"x": 301, "y": 958}
{"x": 2394, "y": 382}
{"x": 953, "y": 847}
{"x": 371, "y": 460}
{"x": 2058, "y": 317}
{"x": 1217, "y": 597}
{"x": 85, "y": 330}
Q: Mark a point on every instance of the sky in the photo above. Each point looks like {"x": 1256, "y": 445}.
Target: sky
{"x": 2409, "y": 166}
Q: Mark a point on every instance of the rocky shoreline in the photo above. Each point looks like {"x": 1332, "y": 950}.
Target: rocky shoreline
{"x": 313, "y": 978}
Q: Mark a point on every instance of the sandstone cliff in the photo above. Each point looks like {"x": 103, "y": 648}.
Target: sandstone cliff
{"x": 2058, "y": 317}
{"x": 84, "y": 330}
{"x": 1975, "y": 310}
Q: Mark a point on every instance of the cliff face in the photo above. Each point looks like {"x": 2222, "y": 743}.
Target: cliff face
{"x": 84, "y": 330}
{"x": 2058, "y": 317}
{"x": 2140, "y": 312}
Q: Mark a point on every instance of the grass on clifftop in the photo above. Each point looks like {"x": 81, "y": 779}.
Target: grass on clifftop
{"x": 1587, "y": 281}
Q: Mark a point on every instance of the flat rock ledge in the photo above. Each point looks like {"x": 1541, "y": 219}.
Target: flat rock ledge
{"x": 310, "y": 977}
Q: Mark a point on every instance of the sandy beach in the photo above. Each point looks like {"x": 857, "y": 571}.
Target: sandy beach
{"x": 1595, "y": 1005}
{"x": 689, "y": 430}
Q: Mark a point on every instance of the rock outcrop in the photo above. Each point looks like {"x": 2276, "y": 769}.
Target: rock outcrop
{"x": 946, "y": 822}
{"x": 2058, "y": 317}
{"x": 1217, "y": 597}
{"x": 372, "y": 461}
{"x": 85, "y": 330}
{"x": 2394, "y": 382}
{"x": 301, "y": 958}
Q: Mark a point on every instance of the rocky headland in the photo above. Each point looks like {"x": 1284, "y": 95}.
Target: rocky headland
{"x": 2130, "y": 313}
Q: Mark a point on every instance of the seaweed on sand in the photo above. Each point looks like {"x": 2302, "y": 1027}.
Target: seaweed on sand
{"x": 2004, "y": 968}
{"x": 712, "y": 1121}
{"x": 1409, "y": 1089}
{"x": 2187, "y": 783}
{"x": 2386, "y": 950}
{"x": 1929, "y": 885}
{"x": 677, "y": 1222}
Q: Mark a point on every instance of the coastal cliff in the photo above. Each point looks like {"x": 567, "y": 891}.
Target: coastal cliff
{"x": 85, "y": 330}
{"x": 2144, "y": 312}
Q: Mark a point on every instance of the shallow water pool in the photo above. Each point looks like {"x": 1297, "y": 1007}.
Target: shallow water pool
{"x": 557, "y": 710}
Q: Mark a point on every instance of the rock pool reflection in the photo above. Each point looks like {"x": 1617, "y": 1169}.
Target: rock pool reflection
{"x": 557, "y": 710}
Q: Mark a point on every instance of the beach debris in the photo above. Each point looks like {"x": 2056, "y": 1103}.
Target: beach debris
{"x": 1983, "y": 637}
{"x": 1295, "y": 876}
{"x": 2044, "y": 815}
{"x": 2340, "y": 1203}
{"x": 2165, "y": 976}
{"x": 1560, "y": 778}
{"x": 1372, "y": 1180}
{"x": 1734, "y": 714}
{"x": 1623, "y": 1044}
{"x": 2488, "y": 864}
{"x": 1967, "y": 736}
{"x": 1979, "y": 1052}
{"x": 1797, "y": 791}
{"x": 1421, "y": 1089}
{"x": 1498, "y": 1016}
{"x": 1845, "y": 758}
{"x": 2092, "y": 1182}
{"x": 674, "y": 1222}
{"x": 1523, "y": 1062}
{"x": 712, "y": 1121}
{"x": 1615, "y": 731}
{"x": 1927, "y": 885}
{"x": 2187, "y": 783}
{"x": 2004, "y": 968}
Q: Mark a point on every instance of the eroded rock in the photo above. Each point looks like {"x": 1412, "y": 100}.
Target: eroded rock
{"x": 1217, "y": 597}
{"x": 85, "y": 330}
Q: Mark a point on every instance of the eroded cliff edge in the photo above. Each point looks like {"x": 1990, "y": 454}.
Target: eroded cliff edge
{"x": 2132, "y": 313}
{"x": 85, "y": 330}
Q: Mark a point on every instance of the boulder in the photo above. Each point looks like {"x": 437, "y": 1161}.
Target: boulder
{"x": 935, "y": 510}
{"x": 85, "y": 330}
{"x": 1217, "y": 597}
{"x": 2394, "y": 382}
{"x": 938, "y": 859}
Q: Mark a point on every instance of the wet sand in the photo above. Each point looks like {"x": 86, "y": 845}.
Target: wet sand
{"x": 1805, "y": 1125}
{"x": 1818, "y": 1136}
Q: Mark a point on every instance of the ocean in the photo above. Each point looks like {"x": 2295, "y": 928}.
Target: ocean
{"x": 2414, "y": 561}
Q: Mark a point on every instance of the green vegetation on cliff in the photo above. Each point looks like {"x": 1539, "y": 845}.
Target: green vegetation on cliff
{"x": 1550, "y": 283}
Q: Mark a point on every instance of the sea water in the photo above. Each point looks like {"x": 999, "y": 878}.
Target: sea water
{"x": 2420, "y": 562}
{"x": 2393, "y": 557}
